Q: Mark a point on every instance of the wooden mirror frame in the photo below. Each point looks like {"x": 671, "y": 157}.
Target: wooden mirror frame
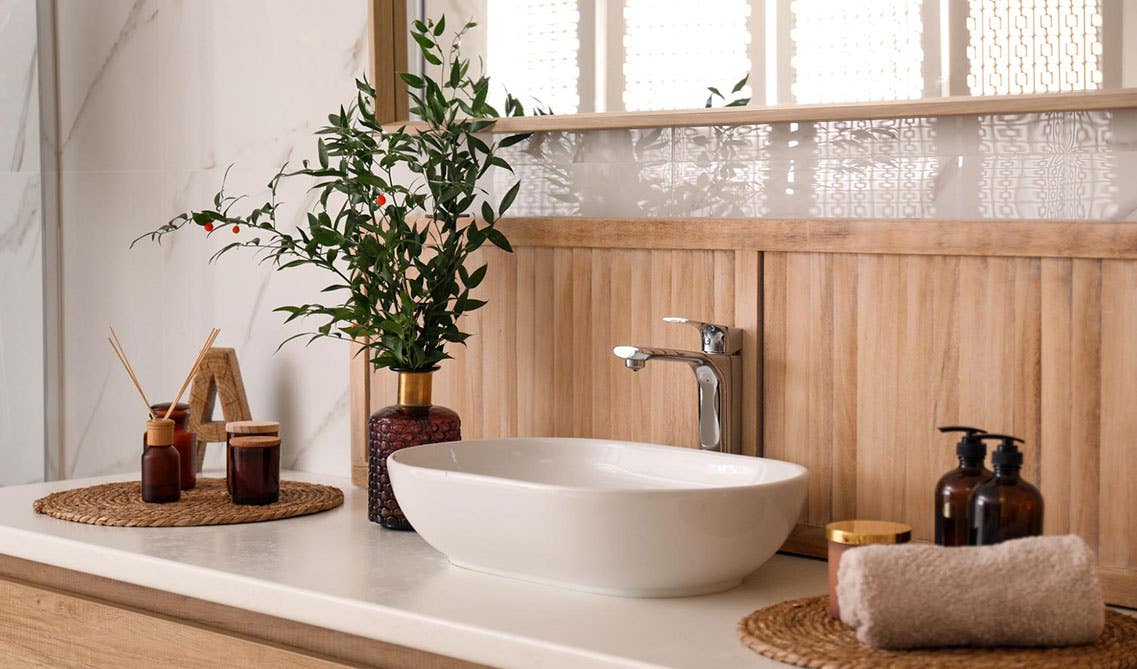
{"x": 388, "y": 57}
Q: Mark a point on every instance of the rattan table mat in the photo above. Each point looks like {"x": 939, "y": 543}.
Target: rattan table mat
{"x": 208, "y": 503}
{"x": 800, "y": 632}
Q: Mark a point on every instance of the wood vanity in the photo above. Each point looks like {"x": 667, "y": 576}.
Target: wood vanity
{"x": 860, "y": 337}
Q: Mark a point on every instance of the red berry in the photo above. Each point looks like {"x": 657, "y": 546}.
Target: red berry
{"x": 236, "y": 229}
{"x": 380, "y": 200}
{"x": 209, "y": 227}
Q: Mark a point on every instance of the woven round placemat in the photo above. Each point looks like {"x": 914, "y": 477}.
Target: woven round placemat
{"x": 121, "y": 505}
{"x": 800, "y": 632}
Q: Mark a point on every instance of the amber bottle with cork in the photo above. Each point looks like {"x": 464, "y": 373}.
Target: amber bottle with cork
{"x": 185, "y": 440}
{"x": 953, "y": 491}
{"x": 161, "y": 465}
{"x": 411, "y": 422}
{"x": 1005, "y": 507}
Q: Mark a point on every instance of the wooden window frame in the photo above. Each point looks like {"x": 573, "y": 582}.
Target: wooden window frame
{"x": 388, "y": 29}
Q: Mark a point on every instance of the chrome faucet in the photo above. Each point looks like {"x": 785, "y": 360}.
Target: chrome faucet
{"x": 718, "y": 371}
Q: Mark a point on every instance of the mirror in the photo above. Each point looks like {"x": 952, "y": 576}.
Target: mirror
{"x": 574, "y": 56}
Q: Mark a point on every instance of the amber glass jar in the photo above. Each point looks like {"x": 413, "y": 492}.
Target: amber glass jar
{"x": 185, "y": 440}
{"x": 847, "y": 534}
{"x": 411, "y": 422}
{"x": 245, "y": 428}
{"x": 161, "y": 478}
{"x": 256, "y": 469}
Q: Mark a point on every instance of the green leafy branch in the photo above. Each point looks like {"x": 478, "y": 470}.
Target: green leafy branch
{"x": 396, "y": 248}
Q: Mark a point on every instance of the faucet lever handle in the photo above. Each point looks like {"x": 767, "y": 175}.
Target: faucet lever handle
{"x": 715, "y": 338}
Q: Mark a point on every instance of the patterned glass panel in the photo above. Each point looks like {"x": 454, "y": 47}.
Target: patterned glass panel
{"x": 856, "y": 51}
{"x": 532, "y": 51}
{"x": 671, "y": 47}
{"x": 1018, "y": 47}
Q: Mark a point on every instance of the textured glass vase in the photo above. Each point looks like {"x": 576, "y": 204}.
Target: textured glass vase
{"x": 411, "y": 422}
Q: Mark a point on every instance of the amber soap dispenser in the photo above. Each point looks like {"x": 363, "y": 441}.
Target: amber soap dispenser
{"x": 953, "y": 492}
{"x": 1005, "y": 507}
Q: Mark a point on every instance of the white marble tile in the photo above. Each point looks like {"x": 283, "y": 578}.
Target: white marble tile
{"x": 157, "y": 97}
{"x": 160, "y": 84}
{"x": 19, "y": 107}
{"x": 21, "y": 330}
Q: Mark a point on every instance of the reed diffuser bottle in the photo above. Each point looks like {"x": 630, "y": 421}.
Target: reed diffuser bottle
{"x": 161, "y": 465}
{"x": 411, "y": 422}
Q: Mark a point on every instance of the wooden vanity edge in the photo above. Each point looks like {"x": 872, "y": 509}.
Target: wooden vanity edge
{"x": 312, "y": 645}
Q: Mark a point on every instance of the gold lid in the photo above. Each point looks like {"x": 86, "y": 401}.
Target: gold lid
{"x": 862, "y": 532}
{"x": 159, "y": 432}
{"x": 252, "y": 426}
{"x": 254, "y": 442}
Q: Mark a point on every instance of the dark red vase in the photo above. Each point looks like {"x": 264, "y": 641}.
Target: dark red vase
{"x": 411, "y": 422}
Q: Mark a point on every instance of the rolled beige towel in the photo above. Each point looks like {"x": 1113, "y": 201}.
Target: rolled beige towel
{"x": 1038, "y": 591}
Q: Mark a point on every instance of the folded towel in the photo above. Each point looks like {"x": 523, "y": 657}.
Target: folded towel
{"x": 1038, "y": 591}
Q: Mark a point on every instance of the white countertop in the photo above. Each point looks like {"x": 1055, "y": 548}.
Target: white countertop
{"x": 339, "y": 571}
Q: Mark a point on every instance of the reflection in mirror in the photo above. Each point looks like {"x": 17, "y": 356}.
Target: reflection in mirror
{"x": 639, "y": 55}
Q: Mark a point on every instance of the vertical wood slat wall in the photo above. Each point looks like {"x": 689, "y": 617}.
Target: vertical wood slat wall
{"x": 851, "y": 360}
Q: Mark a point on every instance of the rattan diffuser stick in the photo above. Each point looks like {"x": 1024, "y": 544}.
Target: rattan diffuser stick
{"x": 113, "y": 339}
{"x": 193, "y": 369}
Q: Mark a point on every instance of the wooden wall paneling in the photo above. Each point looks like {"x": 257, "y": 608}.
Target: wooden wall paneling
{"x": 1056, "y": 365}
{"x": 668, "y": 423}
{"x": 843, "y": 498}
{"x": 1117, "y": 496}
{"x": 525, "y": 371}
{"x": 561, "y": 347}
{"x": 774, "y": 334}
{"x": 586, "y": 346}
{"x": 850, "y": 361}
{"x": 601, "y": 303}
{"x": 748, "y": 295}
{"x": 498, "y": 392}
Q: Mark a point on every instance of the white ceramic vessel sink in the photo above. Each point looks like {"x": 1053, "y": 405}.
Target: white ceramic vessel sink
{"x": 611, "y": 517}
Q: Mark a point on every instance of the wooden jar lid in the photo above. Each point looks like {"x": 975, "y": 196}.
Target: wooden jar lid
{"x": 254, "y": 442}
{"x": 159, "y": 432}
{"x": 252, "y": 426}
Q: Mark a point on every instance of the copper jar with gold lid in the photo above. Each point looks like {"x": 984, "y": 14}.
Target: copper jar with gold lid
{"x": 846, "y": 534}
{"x": 411, "y": 422}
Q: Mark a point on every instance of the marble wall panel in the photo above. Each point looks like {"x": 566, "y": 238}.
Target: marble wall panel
{"x": 156, "y": 99}
{"x": 21, "y": 296}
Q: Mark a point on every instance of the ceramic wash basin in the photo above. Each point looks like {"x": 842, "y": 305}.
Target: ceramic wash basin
{"x": 611, "y": 517}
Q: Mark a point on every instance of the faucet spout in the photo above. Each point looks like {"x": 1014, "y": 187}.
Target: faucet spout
{"x": 718, "y": 376}
{"x": 635, "y": 357}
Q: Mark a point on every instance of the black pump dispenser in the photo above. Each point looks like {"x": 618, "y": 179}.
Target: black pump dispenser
{"x": 1007, "y": 454}
{"x": 970, "y": 446}
{"x": 953, "y": 491}
{"x": 1005, "y": 507}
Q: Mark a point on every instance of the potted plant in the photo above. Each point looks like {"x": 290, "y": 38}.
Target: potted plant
{"x": 394, "y": 228}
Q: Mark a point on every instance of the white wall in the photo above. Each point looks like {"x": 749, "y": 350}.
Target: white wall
{"x": 21, "y": 296}
{"x": 156, "y": 99}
